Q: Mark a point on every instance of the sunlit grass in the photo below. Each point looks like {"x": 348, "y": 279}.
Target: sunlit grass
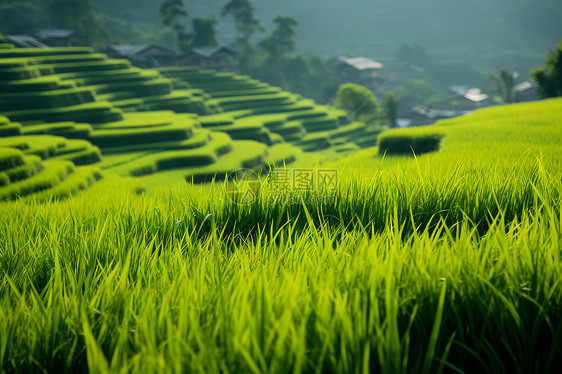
{"x": 449, "y": 261}
{"x": 141, "y": 284}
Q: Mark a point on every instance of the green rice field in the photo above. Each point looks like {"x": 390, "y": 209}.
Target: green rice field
{"x": 115, "y": 258}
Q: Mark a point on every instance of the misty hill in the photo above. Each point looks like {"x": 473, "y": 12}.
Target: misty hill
{"x": 482, "y": 33}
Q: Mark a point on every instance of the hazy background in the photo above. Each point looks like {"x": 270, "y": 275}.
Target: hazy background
{"x": 466, "y": 42}
{"x": 469, "y": 38}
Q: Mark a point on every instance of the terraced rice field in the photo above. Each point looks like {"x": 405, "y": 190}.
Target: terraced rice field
{"x": 446, "y": 261}
{"x": 187, "y": 120}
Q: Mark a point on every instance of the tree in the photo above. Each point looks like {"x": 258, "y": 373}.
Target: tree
{"x": 204, "y": 32}
{"x": 78, "y": 15}
{"x": 276, "y": 46}
{"x": 282, "y": 40}
{"x": 392, "y": 106}
{"x": 504, "y": 84}
{"x": 549, "y": 77}
{"x": 19, "y": 17}
{"x": 245, "y": 19}
{"x": 247, "y": 25}
{"x": 357, "y": 101}
{"x": 296, "y": 70}
{"x": 171, "y": 14}
{"x": 171, "y": 11}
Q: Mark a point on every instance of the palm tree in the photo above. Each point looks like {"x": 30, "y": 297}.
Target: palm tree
{"x": 505, "y": 84}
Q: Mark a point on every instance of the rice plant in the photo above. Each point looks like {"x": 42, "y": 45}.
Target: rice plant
{"x": 420, "y": 262}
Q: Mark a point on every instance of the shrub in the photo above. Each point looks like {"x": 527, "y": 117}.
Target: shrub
{"x": 358, "y": 101}
{"x": 406, "y": 141}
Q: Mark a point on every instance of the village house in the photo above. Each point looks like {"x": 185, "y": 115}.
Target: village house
{"x": 526, "y": 91}
{"x": 216, "y": 58}
{"x": 471, "y": 99}
{"x": 360, "y": 70}
{"x": 144, "y": 55}
{"x": 421, "y": 115}
{"x": 59, "y": 38}
{"x": 24, "y": 41}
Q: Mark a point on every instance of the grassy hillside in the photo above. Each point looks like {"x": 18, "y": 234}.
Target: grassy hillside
{"x": 446, "y": 261}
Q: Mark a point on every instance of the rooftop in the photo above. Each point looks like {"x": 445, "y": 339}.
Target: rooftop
{"x": 54, "y": 34}
{"x": 24, "y": 41}
{"x": 524, "y": 86}
{"x": 475, "y": 95}
{"x": 129, "y": 50}
{"x": 359, "y": 63}
{"x": 211, "y": 51}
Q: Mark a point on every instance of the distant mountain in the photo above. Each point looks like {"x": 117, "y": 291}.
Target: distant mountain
{"x": 486, "y": 34}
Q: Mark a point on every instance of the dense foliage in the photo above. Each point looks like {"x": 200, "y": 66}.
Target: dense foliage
{"x": 357, "y": 101}
{"x": 549, "y": 77}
